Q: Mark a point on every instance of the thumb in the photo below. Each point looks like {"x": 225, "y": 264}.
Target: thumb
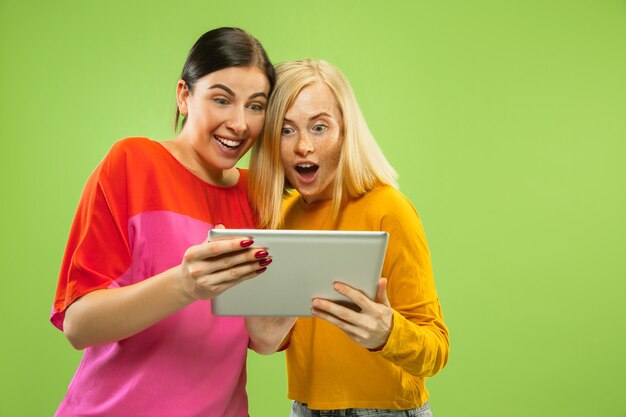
{"x": 381, "y": 292}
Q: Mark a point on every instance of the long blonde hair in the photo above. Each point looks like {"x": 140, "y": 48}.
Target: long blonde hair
{"x": 362, "y": 164}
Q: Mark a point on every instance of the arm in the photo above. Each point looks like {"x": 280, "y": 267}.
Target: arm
{"x": 109, "y": 315}
{"x": 419, "y": 348}
{"x": 267, "y": 334}
{"x": 404, "y": 324}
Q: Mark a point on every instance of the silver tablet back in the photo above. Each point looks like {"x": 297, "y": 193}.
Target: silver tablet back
{"x": 305, "y": 265}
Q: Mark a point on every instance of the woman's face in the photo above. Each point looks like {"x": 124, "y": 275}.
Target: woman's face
{"x": 311, "y": 142}
{"x": 225, "y": 114}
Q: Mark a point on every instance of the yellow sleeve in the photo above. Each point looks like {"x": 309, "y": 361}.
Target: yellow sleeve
{"x": 419, "y": 341}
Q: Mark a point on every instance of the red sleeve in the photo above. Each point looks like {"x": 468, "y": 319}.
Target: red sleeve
{"x": 97, "y": 251}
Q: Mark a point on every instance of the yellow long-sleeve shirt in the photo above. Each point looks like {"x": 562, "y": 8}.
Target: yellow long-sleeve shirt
{"x": 326, "y": 369}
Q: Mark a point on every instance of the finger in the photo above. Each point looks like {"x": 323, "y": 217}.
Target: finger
{"x": 381, "y": 293}
{"x": 353, "y": 295}
{"x": 217, "y": 288}
{"x": 203, "y": 259}
{"x": 260, "y": 256}
{"x": 253, "y": 274}
{"x": 331, "y": 318}
{"x": 232, "y": 276}
{"x": 336, "y": 310}
{"x": 350, "y": 329}
{"x": 222, "y": 246}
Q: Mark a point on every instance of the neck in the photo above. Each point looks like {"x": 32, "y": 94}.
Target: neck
{"x": 314, "y": 199}
{"x": 185, "y": 155}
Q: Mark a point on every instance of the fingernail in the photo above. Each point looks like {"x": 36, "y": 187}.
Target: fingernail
{"x": 246, "y": 243}
{"x": 265, "y": 262}
{"x": 258, "y": 271}
{"x": 261, "y": 254}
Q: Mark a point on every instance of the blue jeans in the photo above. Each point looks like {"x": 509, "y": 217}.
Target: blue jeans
{"x": 301, "y": 410}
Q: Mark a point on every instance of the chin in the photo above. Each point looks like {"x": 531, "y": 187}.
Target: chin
{"x": 227, "y": 164}
{"x": 310, "y": 198}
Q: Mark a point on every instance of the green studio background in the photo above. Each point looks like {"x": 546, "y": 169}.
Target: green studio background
{"x": 505, "y": 119}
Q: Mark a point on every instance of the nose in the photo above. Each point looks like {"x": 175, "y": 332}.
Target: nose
{"x": 304, "y": 145}
{"x": 237, "y": 122}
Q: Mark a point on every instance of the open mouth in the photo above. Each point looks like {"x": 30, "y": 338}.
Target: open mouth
{"x": 227, "y": 143}
{"x": 307, "y": 171}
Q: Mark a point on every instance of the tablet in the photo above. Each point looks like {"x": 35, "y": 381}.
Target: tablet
{"x": 305, "y": 264}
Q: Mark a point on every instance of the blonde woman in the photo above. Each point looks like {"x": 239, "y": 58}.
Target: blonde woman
{"x": 317, "y": 166}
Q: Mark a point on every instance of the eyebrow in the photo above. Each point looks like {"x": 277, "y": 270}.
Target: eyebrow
{"x": 232, "y": 93}
{"x": 317, "y": 116}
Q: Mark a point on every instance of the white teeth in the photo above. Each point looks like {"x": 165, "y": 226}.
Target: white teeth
{"x": 305, "y": 165}
{"x": 228, "y": 142}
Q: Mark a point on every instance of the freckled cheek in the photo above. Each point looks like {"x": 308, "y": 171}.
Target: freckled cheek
{"x": 335, "y": 159}
{"x": 332, "y": 155}
{"x": 287, "y": 162}
{"x": 284, "y": 153}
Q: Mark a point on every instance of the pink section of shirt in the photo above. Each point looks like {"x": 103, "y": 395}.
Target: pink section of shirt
{"x": 189, "y": 364}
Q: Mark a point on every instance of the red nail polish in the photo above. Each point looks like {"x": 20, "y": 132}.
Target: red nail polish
{"x": 265, "y": 262}
{"x": 261, "y": 254}
{"x": 258, "y": 271}
{"x": 246, "y": 243}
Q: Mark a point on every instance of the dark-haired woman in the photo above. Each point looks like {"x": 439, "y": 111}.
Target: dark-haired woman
{"x": 138, "y": 273}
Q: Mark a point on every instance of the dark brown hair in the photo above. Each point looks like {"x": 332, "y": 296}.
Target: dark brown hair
{"x": 222, "y": 48}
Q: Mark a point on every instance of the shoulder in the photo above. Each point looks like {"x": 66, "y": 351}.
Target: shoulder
{"x": 133, "y": 146}
{"x": 134, "y": 152}
{"x": 387, "y": 200}
{"x": 383, "y": 191}
{"x": 391, "y": 210}
{"x": 125, "y": 156}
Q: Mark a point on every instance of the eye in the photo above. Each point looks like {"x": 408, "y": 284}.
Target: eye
{"x": 221, "y": 101}
{"x": 256, "y": 107}
{"x": 319, "y": 128}
{"x": 286, "y": 131}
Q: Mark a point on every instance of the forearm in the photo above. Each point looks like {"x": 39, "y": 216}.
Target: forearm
{"x": 109, "y": 315}
{"x": 420, "y": 349}
{"x": 267, "y": 333}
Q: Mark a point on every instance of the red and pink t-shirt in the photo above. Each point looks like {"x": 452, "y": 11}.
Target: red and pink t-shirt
{"x": 140, "y": 210}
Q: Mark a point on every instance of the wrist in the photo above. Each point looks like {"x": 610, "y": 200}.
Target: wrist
{"x": 387, "y": 335}
{"x": 184, "y": 292}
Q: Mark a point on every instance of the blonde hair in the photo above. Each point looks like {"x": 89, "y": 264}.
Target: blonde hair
{"x": 362, "y": 164}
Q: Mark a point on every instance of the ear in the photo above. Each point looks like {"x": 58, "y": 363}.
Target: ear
{"x": 182, "y": 93}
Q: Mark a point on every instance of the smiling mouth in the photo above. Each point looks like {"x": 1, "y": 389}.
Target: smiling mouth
{"x": 307, "y": 171}
{"x": 227, "y": 143}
